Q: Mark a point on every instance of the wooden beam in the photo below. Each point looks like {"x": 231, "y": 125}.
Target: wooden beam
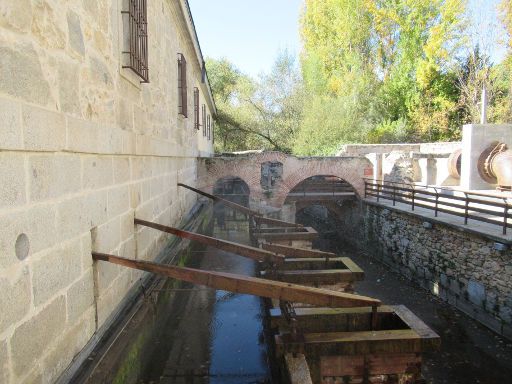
{"x": 218, "y": 199}
{"x": 308, "y": 233}
{"x": 246, "y": 284}
{"x": 278, "y": 223}
{"x": 316, "y": 345}
{"x": 297, "y": 252}
{"x": 228, "y": 246}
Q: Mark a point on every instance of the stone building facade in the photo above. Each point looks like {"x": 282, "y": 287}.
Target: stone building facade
{"x": 84, "y": 148}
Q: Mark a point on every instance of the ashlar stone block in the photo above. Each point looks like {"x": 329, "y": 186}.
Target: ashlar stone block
{"x": 10, "y": 125}
{"x": 4, "y": 363}
{"x": 54, "y": 176}
{"x": 33, "y": 337}
{"x": 12, "y": 176}
{"x": 80, "y": 297}
{"x": 27, "y": 82}
{"x": 14, "y": 298}
{"x": 43, "y": 130}
{"x": 75, "y": 37}
{"x": 56, "y": 269}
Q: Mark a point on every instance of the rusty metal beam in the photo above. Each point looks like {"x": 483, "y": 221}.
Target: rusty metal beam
{"x": 228, "y": 246}
{"x": 257, "y": 216}
{"x": 228, "y": 203}
{"x": 247, "y": 284}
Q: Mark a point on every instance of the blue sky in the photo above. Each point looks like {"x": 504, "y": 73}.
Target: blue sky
{"x": 250, "y": 33}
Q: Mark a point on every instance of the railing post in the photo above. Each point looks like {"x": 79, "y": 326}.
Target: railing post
{"x": 413, "y": 192}
{"x": 378, "y": 192}
{"x": 505, "y": 214}
{"x": 365, "y": 189}
{"x": 437, "y": 201}
{"x": 466, "y": 209}
{"x": 394, "y": 194}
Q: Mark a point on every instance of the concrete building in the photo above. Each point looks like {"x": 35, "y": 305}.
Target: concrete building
{"x": 104, "y": 107}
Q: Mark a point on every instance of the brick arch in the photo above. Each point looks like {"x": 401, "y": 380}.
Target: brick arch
{"x": 352, "y": 173}
{"x": 352, "y": 169}
{"x": 231, "y": 177}
{"x": 331, "y": 206}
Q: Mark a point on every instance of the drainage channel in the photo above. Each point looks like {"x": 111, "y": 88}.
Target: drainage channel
{"x": 186, "y": 333}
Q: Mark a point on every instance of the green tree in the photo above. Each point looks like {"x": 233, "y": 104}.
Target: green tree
{"x": 256, "y": 114}
{"x": 390, "y": 65}
{"x": 503, "y": 108}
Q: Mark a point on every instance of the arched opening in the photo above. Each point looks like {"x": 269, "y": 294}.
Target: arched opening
{"x": 234, "y": 189}
{"x": 330, "y": 205}
{"x": 322, "y": 186}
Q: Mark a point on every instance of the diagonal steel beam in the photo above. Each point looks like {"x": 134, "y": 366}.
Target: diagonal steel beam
{"x": 257, "y": 216}
{"x": 247, "y": 284}
{"x": 228, "y": 203}
{"x": 228, "y": 246}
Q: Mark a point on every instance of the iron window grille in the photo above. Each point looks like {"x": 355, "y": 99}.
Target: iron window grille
{"x": 196, "y": 108}
{"x": 208, "y": 131}
{"x": 182, "y": 85}
{"x": 137, "y": 38}
{"x": 204, "y": 119}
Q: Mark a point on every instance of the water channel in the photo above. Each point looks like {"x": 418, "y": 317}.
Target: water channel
{"x": 190, "y": 334}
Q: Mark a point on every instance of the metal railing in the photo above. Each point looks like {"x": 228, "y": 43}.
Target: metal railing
{"x": 487, "y": 208}
{"x": 325, "y": 187}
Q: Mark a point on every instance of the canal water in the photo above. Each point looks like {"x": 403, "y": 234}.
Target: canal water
{"x": 213, "y": 337}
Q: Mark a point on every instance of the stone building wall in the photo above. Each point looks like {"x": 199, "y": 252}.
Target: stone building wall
{"x": 84, "y": 148}
{"x": 461, "y": 267}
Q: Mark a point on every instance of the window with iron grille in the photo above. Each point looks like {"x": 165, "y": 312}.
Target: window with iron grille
{"x": 136, "y": 38}
{"x": 208, "y": 128}
{"x": 182, "y": 85}
{"x": 196, "y": 108}
{"x": 204, "y": 120}
{"x": 213, "y": 131}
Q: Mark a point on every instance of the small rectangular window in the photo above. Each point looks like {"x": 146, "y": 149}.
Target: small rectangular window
{"x": 136, "y": 38}
{"x": 208, "y": 131}
{"x": 204, "y": 120}
{"x": 182, "y": 85}
{"x": 196, "y": 108}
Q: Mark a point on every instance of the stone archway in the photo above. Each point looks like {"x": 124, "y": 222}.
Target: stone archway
{"x": 271, "y": 197}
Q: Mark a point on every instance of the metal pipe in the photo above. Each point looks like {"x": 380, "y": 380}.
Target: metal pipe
{"x": 495, "y": 165}
{"x": 454, "y": 163}
{"x": 501, "y": 167}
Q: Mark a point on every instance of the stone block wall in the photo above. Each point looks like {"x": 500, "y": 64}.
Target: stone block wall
{"x": 84, "y": 148}
{"x": 461, "y": 267}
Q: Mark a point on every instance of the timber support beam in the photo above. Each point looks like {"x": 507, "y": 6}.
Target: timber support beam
{"x": 228, "y": 246}
{"x": 247, "y": 284}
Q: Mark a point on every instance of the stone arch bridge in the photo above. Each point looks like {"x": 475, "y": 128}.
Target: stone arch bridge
{"x": 270, "y": 176}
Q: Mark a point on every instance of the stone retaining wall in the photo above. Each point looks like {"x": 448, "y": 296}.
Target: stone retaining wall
{"x": 460, "y": 267}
